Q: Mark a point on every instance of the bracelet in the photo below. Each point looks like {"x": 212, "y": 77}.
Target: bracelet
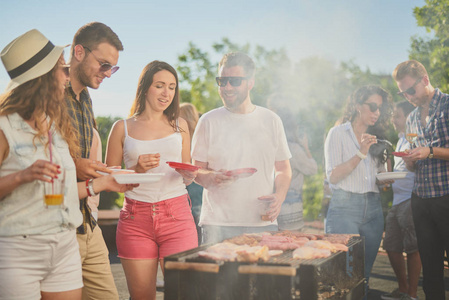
{"x": 90, "y": 188}
{"x": 87, "y": 188}
{"x": 361, "y": 155}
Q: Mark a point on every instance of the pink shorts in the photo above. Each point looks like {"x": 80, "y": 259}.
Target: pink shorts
{"x": 155, "y": 230}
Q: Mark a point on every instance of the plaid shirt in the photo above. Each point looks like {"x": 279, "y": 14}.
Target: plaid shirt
{"x": 432, "y": 175}
{"x": 84, "y": 122}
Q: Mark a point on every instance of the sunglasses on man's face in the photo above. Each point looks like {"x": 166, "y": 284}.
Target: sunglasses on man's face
{"x": 233, "y": 81}
{"x": 373, "y": 106}
{"x": 104, "y": 67}
{"x": 410, "y": 91}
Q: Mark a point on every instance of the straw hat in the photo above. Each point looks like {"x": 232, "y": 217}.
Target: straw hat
{"x": 29, "y": 56}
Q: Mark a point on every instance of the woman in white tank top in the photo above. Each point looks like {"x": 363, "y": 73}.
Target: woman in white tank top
{"x": 156, "y": 219}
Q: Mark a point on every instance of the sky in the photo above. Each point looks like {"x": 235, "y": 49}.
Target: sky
{"x": 374, "y": 34}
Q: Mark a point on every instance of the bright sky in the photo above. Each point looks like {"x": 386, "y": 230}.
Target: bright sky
{"x": 374, "y": 34}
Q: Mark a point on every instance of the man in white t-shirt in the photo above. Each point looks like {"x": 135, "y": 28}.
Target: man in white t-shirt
{"x": 236, "y": 136}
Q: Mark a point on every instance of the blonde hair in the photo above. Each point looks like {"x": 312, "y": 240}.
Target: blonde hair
{"x": 42, "y": 97}
{"x": 189, "y": 113}
{"x": 412, "y": 68}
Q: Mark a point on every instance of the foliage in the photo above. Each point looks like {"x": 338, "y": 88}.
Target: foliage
{"x": 433, "y": 52}
{"x": 108, "y": 200}
{"x": 104, "y": 125}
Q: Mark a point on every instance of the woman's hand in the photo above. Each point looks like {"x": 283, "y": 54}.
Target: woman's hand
{"x": 108, "y": 183}
{"x": 366, "y": 141}
{"x": 40, "y": 170}
{"x": 188, "y": 176}
{"x": 147, "y": 161}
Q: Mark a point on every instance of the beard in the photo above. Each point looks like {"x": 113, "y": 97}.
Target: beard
{"x": 240, "y": 97}
{"x": 83, "y": 77}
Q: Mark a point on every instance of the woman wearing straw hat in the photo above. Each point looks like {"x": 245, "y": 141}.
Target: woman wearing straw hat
{"x": 39, "y": 256}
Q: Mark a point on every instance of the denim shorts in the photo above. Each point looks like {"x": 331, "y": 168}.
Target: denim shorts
{"x": 155, "y": 230}
{"x": 35, "y": 263}
{"x": 400, "y": 235}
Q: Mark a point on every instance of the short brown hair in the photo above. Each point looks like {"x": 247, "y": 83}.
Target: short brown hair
{"x": 94, "y": 33}
{"x": 412, "y": 68}
{"x": 234, "y": 59}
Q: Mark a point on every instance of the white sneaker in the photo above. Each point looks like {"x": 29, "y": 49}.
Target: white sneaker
{"x": 394, "y": 295}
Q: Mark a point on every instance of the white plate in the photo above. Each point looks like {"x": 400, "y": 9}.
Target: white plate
{"x": 391, "y": 175}
{"x": 138, "y": 177}
{"x": 116, "y": 170}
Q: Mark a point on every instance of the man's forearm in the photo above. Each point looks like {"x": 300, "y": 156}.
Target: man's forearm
{"x": 441, "y": 153}
{"x": 282, "y": 183}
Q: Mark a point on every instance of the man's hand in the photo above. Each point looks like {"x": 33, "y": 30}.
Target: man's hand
{"x": 275, "y": 207}
{"x": 418, "y": 153}
{"x": 87, "y": 168}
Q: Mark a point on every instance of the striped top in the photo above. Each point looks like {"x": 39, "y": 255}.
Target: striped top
{"x": 432, "y": 175}
{"x": 340, "y": 146}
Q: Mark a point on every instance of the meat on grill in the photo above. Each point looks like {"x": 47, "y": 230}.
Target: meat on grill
{"x": 333, "y": 247}
{"x": 310, "y": 253}
{"x": 275, "y": 242}
{"x": 233, "y": 252}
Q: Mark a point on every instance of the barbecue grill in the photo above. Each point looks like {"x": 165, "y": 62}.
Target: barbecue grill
{"x": 340, "y": 276}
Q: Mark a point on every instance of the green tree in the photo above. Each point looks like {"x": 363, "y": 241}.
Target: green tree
{"x": 104, "y": 125}
{"x": 433, "y": 51}
{"x": 108, "y": 200}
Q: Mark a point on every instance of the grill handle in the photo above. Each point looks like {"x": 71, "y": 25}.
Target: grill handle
{"x": 284, "y": 271}
{"x": 201, "y": 267}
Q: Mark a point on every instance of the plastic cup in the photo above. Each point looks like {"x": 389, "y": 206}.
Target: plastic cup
{"x": 264, "y": 207}
{"x": 54, "y": 192}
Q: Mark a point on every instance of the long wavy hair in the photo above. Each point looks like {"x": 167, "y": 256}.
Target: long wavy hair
{"x": 380, "y": 151}
{"x": 42, "y": 97}
{"x": 145, "y": 81}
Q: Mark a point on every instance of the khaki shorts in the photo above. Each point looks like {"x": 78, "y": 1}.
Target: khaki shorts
{"x": 400, "y": 233}
{"x": 35, "y": 263}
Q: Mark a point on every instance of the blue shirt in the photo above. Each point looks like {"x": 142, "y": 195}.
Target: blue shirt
{"x": 402, "y": 188}
{"x": 431, "y": 174}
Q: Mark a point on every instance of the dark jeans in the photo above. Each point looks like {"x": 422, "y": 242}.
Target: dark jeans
{"x": 431, "y": 217}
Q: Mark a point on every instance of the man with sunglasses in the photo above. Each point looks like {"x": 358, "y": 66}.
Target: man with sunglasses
{"x": 429, "y": 159}
{"x": 226, "y": 142}
{"x": 94, "y": 55}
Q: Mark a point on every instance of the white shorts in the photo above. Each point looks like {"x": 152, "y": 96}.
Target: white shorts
{"x": 35, "y": 263}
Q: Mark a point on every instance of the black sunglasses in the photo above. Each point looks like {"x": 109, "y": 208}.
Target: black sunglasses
{"x": 66, "y": 70}
{"x": 411, "y": 90}
{"x": 104, "y": 67}
{"x": 373, "y": 106}
{"x": 233, "y": 80}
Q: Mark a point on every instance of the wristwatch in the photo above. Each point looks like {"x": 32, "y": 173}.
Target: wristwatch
{"x": 431, "y": 152}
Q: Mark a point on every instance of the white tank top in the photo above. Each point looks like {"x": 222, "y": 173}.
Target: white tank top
{"x": 170, "y": 149}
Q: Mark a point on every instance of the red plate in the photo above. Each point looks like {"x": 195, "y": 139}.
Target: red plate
{"x": 400, "y": 154}
{"x": 245, "y": 172}
{"x": 182, "y": 166}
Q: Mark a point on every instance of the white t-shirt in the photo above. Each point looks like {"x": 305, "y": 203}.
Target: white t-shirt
{"x": 231, "y": 141}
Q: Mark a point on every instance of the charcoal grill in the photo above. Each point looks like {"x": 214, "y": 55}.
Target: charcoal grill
{"x": 340, "y": 276}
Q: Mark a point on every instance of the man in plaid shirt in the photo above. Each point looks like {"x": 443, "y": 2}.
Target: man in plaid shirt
{"x": 94, "y": 55}
{"x": 429, "y": 159}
